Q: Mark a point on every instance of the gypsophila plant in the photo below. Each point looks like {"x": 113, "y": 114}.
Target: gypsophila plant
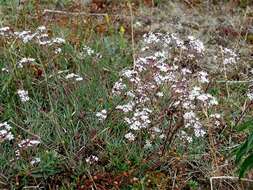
{"x": 167, "y": 68}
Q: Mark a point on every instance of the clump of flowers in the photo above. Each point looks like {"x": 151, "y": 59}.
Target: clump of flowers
{"x": 166, "y": 67}
{"x": 39, "y": 36}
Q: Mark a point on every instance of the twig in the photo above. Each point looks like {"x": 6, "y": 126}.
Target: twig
{"x": 174, "y": 179}
{"x": 228, "y": 177}
{"x": 234, "y": 81}
{"x": 212, "y": 144}
{"x": 72, "y": 13}
{"x": 243, "y": 113}
{"x": 225, "y": 73}
{"x": 132, "y": 31}
{"x": 25, "y": 130}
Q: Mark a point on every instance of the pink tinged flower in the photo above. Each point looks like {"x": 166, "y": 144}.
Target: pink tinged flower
{"x": 196, "y": 44}
{"x": 118, "y": 87}
{"x": 203, "y": 97}
{"x": 203, "y": 77}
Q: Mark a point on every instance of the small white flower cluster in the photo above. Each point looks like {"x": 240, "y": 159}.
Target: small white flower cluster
{"x": 28, "y": 143}
{"x": 229, "y": 56}
{"x": 163, "y": 69}
{"x": 25, "y": 61}
{"x": 5, "y": 132}
{"x": 4, "y": 31}
{"x": 139, "y": 120}
{"x": 203, "y": 77}
{"x": 130, "y": 136}
{"x": 196, "y": 44}
{"x": 102, "y": 115}
{"x": 91, "y": 159}
{"x": 191, "y": 120}
{"x": 4, "y": 69}
{"x": 74, "y": 76}
{"x": 23, "y": 95}
{"x": 25, "y": 144}
{"x": 216, "y": 119}
{"x": 87, "y": 51}
{"x": 40, "y": 36}
{"x": 118, "y": 87}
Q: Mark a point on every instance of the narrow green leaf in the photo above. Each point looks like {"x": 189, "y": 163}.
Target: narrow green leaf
{"x": 241, "y": 152}
{"x": 246, "y": 165}
{"x": 245, "y": 125}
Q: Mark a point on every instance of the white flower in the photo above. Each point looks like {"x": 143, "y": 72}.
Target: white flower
{"x": 102, "y": 115}
{"x": 130, "y": 94}
{"x": 25, "y": 61}
{"x": 4, "y": 29}
{"x": 199, "y": 132}
{"x": 35, "y": 160}
{"x": 91, "y": 159}
{"x": 5, "y": 70}
{"x": 75, "y": 76}
{"x": 130, "y": 136}
{"x": 58, "y": 50}
{"x": 195, "y": 92}
{"x": 25, "y": 36}
{"x": 41, "y": 28}
{"x": 159, "y": 94}
{"x": 88, "y": 50}
{"x": 23, "y": 95}
{"x": 28, "y": 143}
{"x": 79, "y": 79}
{"x": 71, "y": 75}
{"x": 203, "y": 97}
{"x": 118, "y": 87}
{"x": 196, "y": 44}
{"x": 5, "y": 132}
{"x": 148, "y": 144}
{"x": 203, "y": 77}
{"x": 189, "y": 115}
{"x": 58, "y": 40}
{"x": 127, "y": 107}
{"x": 250, "y": 96}
{"x": 216, "y": 116}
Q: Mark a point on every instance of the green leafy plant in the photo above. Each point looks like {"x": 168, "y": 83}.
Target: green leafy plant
{"x": 244, "y": 153}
